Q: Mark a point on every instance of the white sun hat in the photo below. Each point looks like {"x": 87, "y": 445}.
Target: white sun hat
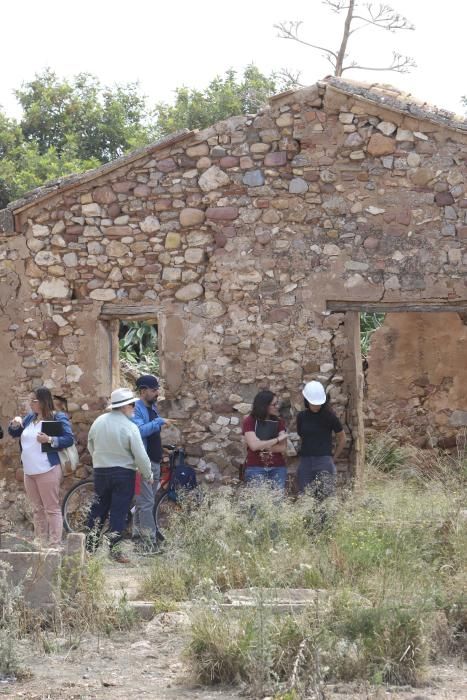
{"x": 314, "y": 393}
{"x": 121, "y": 397}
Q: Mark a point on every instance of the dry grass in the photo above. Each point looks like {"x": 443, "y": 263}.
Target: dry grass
{"x": 393, "y": 560}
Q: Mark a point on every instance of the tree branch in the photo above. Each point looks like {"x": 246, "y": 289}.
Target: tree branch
{"x": 385, "y": 18}
{"x": 400, "y": 64}
{"x": 291, "y": 32}
{"x": 289, "y": 79}
{"x": 336, "y": 5}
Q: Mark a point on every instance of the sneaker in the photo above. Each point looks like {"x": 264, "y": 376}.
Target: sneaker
{"x": 120, "y": 557}
{"x": 148, "y": 549}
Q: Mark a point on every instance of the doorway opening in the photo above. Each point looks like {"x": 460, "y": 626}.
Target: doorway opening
{"x": 416, "y": 372}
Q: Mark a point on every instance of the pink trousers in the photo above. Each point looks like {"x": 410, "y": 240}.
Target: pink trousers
{"x": 43, "y": 493}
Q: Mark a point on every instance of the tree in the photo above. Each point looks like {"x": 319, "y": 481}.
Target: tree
{"x": 358, "y": 16}
{"x": 67, "y": 127}
{"x": 71, "y": 126}
{"x": 98, "y": 122}
{"x": 223, "y": 97}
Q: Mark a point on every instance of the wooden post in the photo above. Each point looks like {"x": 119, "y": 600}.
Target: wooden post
{"x": 354, "y": 376}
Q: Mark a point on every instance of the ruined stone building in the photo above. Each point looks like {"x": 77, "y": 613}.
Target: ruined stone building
{"x": 254, "y": 245}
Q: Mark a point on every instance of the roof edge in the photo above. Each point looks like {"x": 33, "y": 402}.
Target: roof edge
{"x": 49, "y": 189}
{"x": 403, "y": 105}
{"x": 381, "y": 95}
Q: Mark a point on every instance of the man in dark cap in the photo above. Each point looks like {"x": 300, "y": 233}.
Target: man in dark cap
{"x": 149, "y": 423}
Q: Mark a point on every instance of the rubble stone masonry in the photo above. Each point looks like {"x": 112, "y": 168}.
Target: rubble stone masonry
{"x": 234, "y": 239}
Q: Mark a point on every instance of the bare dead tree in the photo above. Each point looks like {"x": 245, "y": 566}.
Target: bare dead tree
{"x": 358, "y": 16}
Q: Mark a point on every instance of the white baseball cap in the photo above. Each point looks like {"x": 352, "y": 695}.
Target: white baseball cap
{"x": 314, "y": 393}
{"x": 121, "y": 397}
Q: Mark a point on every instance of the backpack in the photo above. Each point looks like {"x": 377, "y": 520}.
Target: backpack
{"x": 185, "y": 476}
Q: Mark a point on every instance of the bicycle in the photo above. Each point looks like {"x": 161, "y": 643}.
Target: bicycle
{"x": 176, "y": 477}
{"x": 79, "y": 498}
{"x": 76, "y": 505}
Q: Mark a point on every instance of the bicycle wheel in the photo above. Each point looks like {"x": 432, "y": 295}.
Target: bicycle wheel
{"x": 164, "y": 505}
{"x": 76, "y": 506}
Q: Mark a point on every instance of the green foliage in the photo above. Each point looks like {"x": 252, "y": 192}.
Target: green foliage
{"x": 25, "y": 168}
{"x": 69, "y": 126}
{"x": 10, "y": 600}
{"x": 138, "y": 347}
{"x": 224, "y": 97}
{"x": 99, "y": 122}
{"x": 138, "y": 337}
{"x": 369, "y": 322}
{"x": 384, "y": 452}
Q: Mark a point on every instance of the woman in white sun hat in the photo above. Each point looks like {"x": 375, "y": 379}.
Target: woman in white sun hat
{"x": 315, "y": 426}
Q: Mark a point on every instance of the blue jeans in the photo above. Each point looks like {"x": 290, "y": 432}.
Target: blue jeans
{"x": 114, "y": 488}
{"x": 318, "y": 474}
{"x": 275, "y": 476}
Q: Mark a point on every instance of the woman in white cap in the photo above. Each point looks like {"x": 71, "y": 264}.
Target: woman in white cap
{"x": 315, "y": 426}
{"x": 117, "y": 451}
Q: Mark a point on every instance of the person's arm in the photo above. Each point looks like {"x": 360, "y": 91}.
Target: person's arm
{"x": 340, "y": 444}
{"x": 281, "y": 446}
{"x": 91, "y": 442}
{"x": 142, "y": 461}
{"x": 257, "y": 445}
{"x": 299, "y": 425}
{"x": 16, "y": 426}
{"x": 147, "y": 428}
{"x": 67, "y": 438}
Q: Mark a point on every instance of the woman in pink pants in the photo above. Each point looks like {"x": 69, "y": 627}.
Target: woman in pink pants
{"x": 42, "y": 470}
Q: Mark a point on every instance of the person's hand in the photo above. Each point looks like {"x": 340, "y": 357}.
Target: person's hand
{"x": 150, "y": 481}
{"x": 43, "y": 438}
{"x": 282, "y": 435}
{"x": 169, "y": 421}
{"x": 16, "y": 422}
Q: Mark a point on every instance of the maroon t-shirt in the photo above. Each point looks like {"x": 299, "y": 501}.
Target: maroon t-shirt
{"x": 262, "y": 459}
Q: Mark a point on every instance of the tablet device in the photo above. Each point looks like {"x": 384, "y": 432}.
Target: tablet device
{"x": 54, "y": 428}
{"x": 266, "y": 429}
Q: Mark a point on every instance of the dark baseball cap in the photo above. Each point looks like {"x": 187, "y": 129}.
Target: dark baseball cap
{"x": 147, "y": 381}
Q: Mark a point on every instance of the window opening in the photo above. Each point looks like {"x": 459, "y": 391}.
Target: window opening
{"x": 369, "y": 323}
{"x": 138, "y": 349}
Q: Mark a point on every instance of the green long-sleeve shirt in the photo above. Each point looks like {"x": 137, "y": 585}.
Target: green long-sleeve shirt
{"x": 115, "y": 441}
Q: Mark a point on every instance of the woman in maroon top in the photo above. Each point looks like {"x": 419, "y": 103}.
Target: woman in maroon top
{"x": 266, "y": 440}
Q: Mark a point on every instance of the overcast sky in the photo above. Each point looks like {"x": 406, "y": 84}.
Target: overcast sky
{"x": 164, "y": 45}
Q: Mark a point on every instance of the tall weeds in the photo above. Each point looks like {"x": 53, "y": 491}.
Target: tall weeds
{"x": 10, "y": 598}
{"x": 391, "y": 561}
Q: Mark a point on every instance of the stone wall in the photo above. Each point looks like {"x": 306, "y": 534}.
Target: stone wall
{"x": 234, "y": 239}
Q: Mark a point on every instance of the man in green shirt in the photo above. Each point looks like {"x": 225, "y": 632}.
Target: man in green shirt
{"x": 117, "y": 452}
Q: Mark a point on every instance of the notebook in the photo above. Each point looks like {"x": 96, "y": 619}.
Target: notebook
{"x": 54, "y": 428}
{"x": 266, "y": 429}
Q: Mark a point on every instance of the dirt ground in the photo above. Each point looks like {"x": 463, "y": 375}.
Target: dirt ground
{"x": 148, "y": 663}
